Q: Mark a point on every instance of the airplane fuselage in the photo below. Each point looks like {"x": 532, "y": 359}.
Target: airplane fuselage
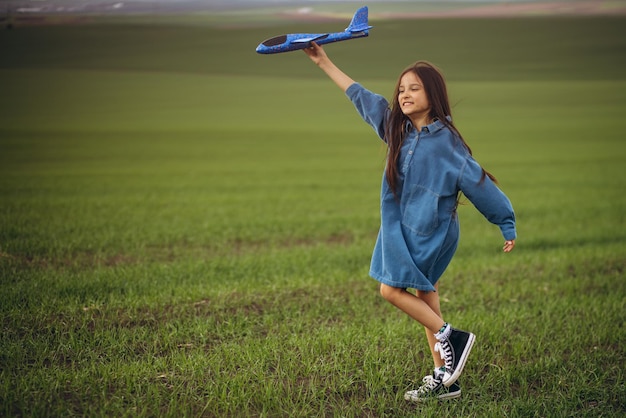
{"x": 295, "y": 41}
{"x": 358, "y": 28}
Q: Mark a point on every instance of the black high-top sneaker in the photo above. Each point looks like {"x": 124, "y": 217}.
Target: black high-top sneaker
{"x": 454, "y": 347}
{"x": 432, "y": 388}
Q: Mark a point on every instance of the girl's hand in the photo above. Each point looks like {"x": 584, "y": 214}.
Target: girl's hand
{"x": 316, "y": 53}
{"x": 508, "y": 246}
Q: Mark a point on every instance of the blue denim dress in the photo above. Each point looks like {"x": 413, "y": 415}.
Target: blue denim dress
{"x": 419, "y": 233}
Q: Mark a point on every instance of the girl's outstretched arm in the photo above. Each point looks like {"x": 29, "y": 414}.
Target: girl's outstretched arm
{"x": 319, "y": 57}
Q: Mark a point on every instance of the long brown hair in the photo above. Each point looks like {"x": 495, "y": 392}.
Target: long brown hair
{"x": 435, "y": 87}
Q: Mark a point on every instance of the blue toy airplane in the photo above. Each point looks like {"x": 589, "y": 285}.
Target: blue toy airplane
{"x": 358, "y": 28}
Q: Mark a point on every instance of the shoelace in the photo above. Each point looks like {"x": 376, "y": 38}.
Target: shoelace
{"x": 430, "y": 383}
{"x": 445, "y": 351}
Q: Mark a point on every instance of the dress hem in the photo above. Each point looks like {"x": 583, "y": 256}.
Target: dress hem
{"x": 402, "y": 285}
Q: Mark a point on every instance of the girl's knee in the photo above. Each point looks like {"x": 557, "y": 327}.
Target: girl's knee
{"x": 389, "y": 293}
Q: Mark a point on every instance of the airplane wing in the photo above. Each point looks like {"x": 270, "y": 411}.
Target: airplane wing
{"x": 309, "y": 39}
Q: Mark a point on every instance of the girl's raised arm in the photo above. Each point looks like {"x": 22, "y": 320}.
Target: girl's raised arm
{"x": 319, "y": 57}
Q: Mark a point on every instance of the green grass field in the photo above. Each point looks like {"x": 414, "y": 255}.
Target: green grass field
{"x": 186, "y": 226}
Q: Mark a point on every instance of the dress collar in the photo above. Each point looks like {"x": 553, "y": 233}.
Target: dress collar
{"x": 430, "y": 128}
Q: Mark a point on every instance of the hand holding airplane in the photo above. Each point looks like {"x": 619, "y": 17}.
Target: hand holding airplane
{"x": 358, "y": 28}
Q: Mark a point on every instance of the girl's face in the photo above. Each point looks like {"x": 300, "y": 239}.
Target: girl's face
{"x": 412, "y": 97}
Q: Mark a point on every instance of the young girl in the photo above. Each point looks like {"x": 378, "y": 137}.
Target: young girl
{"x": 428, "y": 166}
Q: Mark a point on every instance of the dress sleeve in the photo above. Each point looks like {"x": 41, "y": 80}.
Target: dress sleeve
{"x": 487, "y": 198}
{"x": 372, "y": 107}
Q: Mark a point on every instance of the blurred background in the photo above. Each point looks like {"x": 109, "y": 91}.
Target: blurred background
{"x": 24, "y": 11}
{"x": 179, "y": 214}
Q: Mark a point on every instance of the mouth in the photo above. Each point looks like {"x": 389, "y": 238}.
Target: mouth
{"x": 406, "y": 104}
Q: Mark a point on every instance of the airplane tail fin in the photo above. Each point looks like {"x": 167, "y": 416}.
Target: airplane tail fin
{"x": 359, "y": 21}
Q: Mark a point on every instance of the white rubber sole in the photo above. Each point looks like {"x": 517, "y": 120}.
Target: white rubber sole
{"x": 448, "y": 395}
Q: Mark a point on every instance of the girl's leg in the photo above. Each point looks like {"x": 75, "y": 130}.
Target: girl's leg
{"x": 432, "y": 300}
{"x": 455, "y": 345}
{"x": 413, "y": 306}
